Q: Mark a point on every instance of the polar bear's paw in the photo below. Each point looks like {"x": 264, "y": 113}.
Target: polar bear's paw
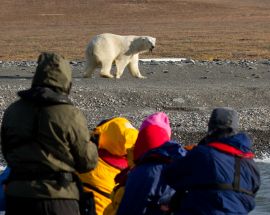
{"x": 87, "y": 76}
{"x": 142, "y": 77}
{"x": 117, "y": 76}
{"x": 106, "y": 75}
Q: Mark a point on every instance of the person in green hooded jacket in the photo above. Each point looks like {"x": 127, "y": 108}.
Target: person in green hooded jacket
{"x": 44, "y": 141}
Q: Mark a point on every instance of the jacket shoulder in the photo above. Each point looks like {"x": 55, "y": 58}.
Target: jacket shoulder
{"x": 66, "y": 112}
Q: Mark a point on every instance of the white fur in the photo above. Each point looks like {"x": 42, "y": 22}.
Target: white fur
{"x": 106, "y": 49}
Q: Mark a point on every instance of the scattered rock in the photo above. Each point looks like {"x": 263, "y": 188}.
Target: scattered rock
{"x": 182, "y": 95}
{"x": 179, "y": 100}
{"x": 203, "y": 77}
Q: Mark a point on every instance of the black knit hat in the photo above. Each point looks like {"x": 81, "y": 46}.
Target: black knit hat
{"x": 223, "y": 118}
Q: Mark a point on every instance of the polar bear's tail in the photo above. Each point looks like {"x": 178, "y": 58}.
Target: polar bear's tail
{"x": 89, "y": 51}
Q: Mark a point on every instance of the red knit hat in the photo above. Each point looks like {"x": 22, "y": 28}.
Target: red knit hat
{"x": 151, "y": 136}
{"x": 160, "y": 119}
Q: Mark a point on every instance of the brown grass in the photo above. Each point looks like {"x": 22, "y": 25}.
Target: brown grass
{"x": 198, "y": 29}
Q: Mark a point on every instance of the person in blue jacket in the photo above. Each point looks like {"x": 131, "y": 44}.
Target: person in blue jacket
{"x": 219, "y": 175}
{"x": 3, "y": 177}
{"x": 146, "y": 191}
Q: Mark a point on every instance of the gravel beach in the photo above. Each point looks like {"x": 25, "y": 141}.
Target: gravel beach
{"x": 186, "y": 90}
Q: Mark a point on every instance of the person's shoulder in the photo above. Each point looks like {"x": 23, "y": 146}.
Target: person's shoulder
{"x": 200, "y": 150}
{"x": 67, "y": 112}
{"x": 64, "y": 109}
{"x": 16, "y": 103}
{"x": 174, "y": 148}
{"x": 13, "y": 107}
{"x": 77, "y": 112}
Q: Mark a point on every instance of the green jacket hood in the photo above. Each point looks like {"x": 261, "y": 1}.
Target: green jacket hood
{"x": 53, "y": 71}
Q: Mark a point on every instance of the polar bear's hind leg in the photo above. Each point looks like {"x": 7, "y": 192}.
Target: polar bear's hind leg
{"x": 89, "y": 68}
{"x": 91, "y": 62}
{"x": 106, "y": 70}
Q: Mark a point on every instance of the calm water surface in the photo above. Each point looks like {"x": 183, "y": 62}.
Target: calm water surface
{"x": 263, "y": 196}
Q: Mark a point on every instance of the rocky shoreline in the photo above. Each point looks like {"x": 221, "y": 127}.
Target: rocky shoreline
{"x": 187, "y": 90}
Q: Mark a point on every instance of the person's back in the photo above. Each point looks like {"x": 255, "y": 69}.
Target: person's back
{"x": 219, "y": 176}
{"x": 119, "y": 188}
{"x": 45, "y": 140}
{"x": 146, "y": 191}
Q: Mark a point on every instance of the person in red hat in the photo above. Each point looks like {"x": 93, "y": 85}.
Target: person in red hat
{"x": 146, "y": 191}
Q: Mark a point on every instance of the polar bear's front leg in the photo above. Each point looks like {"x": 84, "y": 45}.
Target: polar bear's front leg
{"x": 134, "y": 67}
{"x": 106, "y": 69}
{"x": 120, "y": 66}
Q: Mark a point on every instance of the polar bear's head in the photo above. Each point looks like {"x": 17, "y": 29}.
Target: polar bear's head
{"x": 142, "y": 44}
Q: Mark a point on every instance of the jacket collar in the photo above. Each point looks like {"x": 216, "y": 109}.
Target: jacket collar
{"x": 119, "y": 162}
{"x": 165, "y": 153}
{"x": 240, "y": 141}
{"x": 231, "y": 150}
{"x": 44, "y": 96}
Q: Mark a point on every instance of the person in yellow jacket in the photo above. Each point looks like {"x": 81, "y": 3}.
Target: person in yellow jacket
{"x": 119, "y": 189}
{"x": 113, "y": 137}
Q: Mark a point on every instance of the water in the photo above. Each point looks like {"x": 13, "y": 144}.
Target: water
{"x": 263, "y": 196}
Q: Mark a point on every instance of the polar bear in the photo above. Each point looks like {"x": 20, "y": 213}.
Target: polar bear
{"x": 105, "y": 49}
